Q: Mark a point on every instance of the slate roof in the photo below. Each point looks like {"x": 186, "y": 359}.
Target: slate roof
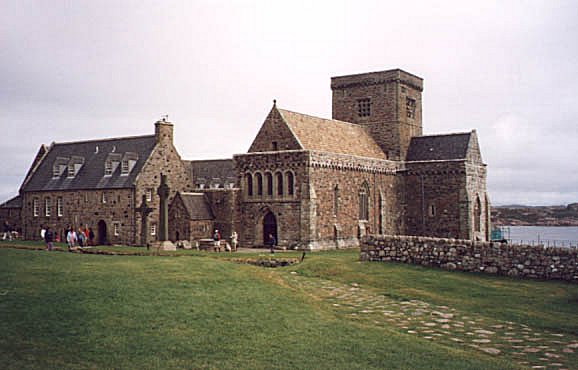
{"x": 438, "y": 147}
{"x": 15, "y": 202}
{"x": 215, "y": 171}
{"x": 333, "y": 136}
{"x": 197, "y": 206}
{"x": 91, "y": 173}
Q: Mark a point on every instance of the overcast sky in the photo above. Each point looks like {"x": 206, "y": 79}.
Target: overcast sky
{"x": 76, "y": 70}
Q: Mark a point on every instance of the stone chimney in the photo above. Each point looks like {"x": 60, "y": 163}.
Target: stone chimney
{"x": 163, "y": 130}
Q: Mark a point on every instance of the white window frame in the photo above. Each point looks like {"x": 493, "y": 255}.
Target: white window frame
{"x": 47, "y": 206}
{"x": 153, "y": 229}
{"x": 35, "y": 207}
{"x": 149, "y": 194}
{"x": 108, "y": 168}
{"x": 116, "y": 228}
{"x": 103, "y": 198}
{"x": 59, "y": 207}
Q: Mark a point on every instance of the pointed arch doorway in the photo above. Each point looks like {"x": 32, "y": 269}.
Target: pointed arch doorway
{"x": 269, "y": 227}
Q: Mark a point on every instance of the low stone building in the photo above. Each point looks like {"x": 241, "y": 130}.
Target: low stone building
{"x": 191, "y": 217}
{"x": 99, "y": 183}
{"x": 10, "y": 215}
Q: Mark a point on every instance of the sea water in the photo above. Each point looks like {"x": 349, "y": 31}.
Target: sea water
{"x": 562, "y": 236}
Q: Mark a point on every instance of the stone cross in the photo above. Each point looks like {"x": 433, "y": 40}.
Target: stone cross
{"x": 163, "y": 192}
{"x": 144, "y": 211}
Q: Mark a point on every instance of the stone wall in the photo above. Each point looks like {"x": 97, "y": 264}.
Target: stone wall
{"x": 225, "y": 206}
{"x": 163, "y": 159}
{"x": 535, "y": 262}
{"x": 108, "y": 207}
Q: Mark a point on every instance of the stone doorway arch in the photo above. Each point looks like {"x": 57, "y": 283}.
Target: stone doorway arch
{"x": 101, "y": 233}
{"x": 269, "y": 227}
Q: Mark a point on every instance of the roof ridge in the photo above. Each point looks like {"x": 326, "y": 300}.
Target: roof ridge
{"x": 208, "y": 160}
{"x": 448, "y": 134}
{"x": 325, "y": 119}
{"x": 105, "y": 139}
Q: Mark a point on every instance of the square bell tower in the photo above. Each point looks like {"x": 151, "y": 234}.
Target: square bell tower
{"x": 387, "y": 103}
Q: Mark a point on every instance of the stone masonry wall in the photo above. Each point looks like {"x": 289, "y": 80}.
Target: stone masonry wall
{"x": 389, "y": 123}
{"x": 535, "y": 262}
{"x": 164, "y": 159}
{"x": 82, "y": 207}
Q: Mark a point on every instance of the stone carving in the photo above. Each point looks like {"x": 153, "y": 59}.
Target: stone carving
{"x": 144, "y": 211}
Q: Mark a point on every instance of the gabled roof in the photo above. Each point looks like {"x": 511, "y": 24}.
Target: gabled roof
{"x": 197, "y": 206}
{"x": 15, "y": 202}
{"x": 207, "y": 172}
{"x": 438, "y": 147}
{"x": 332, "y": 136}
{"x": 91, "y": 174}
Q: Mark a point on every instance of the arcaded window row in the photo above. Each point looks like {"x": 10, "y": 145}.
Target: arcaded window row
{"x": 278, "y": 184}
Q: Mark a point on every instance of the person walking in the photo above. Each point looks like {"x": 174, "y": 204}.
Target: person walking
{"x": 80, "y": 237}
{"x": 234, "y": 240}
{"x": 71, "y": 238}
{"x": 48, "y": 237}
{"x": 272, "y": 242}
{"x": 217, "y": 240}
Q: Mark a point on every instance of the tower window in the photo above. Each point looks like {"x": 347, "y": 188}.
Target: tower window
{"x": 364, "y": 107}
{"x": 275, "y": 145}
{"x": 410, "y": 107}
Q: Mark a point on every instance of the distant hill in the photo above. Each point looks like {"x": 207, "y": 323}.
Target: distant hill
{"x": 521, "y": 215}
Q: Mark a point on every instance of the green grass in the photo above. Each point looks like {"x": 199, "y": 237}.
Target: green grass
{"x": 75, "y": 311}
{"x": 547, "y": 305}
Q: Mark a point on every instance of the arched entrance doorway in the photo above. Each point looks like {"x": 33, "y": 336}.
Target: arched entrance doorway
{"x": 269, "y": 227}
{"x": 102, "y": 239}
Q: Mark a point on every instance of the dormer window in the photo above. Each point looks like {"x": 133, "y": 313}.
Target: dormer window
{"x": 108, "y": 168}
{"x": 111, "y": 163}
{"x": 74, "y": 165}
{"x": 59, "y": 166}
{"x": 128, "y": 162}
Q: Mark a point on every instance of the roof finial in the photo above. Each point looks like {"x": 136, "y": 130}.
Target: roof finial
{"x": 275, "y": 102}
{"x": 165, "y": 117}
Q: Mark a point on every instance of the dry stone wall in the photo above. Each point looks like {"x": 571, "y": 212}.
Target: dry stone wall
{"x": 534, "y": 262}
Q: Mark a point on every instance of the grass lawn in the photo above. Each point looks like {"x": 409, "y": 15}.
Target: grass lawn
{"x": 64, "y": 310}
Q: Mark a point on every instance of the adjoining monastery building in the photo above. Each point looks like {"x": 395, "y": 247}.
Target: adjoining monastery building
{"x": 313, "y": 183}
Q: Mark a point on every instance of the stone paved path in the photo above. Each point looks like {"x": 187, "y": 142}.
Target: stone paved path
{"x": 536, "y": 349}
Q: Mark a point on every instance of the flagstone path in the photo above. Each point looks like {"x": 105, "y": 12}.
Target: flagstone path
{"x": 536, "y": 349}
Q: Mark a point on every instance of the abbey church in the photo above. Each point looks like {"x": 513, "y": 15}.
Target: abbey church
{"x": 312, "y": 183}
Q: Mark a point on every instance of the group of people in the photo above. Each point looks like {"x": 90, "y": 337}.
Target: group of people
{"x": 271, "y": 241}
{"x": 9, "y": 232}
{"x": 228, "y": 247}
{"x": 82, "y": 237}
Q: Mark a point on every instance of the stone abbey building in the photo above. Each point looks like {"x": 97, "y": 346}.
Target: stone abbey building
{"x": 313, "y": 183}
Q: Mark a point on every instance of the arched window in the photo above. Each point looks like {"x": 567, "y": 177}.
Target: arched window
{"x": 249, "y": 184}
{"x": 335, "y": 200}
{"x": 477, "y": 214}
{"x": 290, "y": 183}
{"x": 364, "y": 202}
{"x": 269, "y": 181}
{"x": 279, "y": 179}
{"x": 259, "y": 184}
